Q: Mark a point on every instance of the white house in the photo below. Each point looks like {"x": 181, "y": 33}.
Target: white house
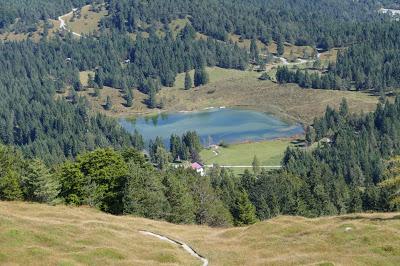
{"x": 199, "y": 168}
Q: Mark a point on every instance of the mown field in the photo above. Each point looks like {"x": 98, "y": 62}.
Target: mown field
{"x": 269, "y": 153}
{"x": 33, "y": 234}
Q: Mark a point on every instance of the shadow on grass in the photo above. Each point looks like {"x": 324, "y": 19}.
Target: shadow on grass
{"x": 361, "y": 217}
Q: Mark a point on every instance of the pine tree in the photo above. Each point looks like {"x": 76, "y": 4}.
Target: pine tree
{"x": 344, "y": 108}
{"x": 99, "y": 78}
{"x": 309, "y": 136}
{"x": 152, "y": 101}
{"x": 73, "y": 96}
{"x": 96, "y": 92}
{"x": 91, "y": 83}
{"x": 144, "y": 193}
{"x": 392, "y": 182}
{"x": 280, "y": 46}
{"x": 254, "y": 54}
{"x": 129, "y": 99}
{"x": 108, "y": 104}
{"x": 256, "y": 165}
{"x": 197, "y": 77}
{"x": 204, "y": 76}
{"x": 188, "y": 81}
{"x": 244, "y": 212}
{"x": 180, "y": 200}
{"x": 39, "y": 185}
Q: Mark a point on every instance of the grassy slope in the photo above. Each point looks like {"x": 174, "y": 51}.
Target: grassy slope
{"x": 234, "y": 88}
{"x": 39, "y": 234}
{"x": 243, "y": 89}
{"x": 87, "y": 23}
{"x": 267, "y": 152}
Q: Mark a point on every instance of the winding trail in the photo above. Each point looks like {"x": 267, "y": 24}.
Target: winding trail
{"x": 299, "y": 61}
{"x": 63, "y": 25}
{"x": 245, "y": 166}
{"x": 186, "y": 247}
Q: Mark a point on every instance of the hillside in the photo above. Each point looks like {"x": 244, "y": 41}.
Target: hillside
{"x": 40, "y": 234}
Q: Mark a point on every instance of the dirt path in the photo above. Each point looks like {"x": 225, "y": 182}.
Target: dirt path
{"x": 63, "y": 25}
{"x": 245, "y": 166}
{"x": 186, "y": 247}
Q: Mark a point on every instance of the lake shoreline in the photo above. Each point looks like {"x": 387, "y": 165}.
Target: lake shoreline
{"x": 283, "y": 116}
{"x": 216, "y": 125}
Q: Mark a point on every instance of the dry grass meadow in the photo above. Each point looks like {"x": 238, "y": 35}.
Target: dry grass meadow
{"x": 234, "y": 88}
{"x": 33, "y": 234}
{"x": 88, "y": 21}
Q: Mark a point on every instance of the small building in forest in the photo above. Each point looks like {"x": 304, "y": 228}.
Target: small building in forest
{"x": 198, "y": 167}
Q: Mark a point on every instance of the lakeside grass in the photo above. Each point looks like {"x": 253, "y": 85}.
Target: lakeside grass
{"x": 37, "y": 234}
{"x": 269, "y": 153}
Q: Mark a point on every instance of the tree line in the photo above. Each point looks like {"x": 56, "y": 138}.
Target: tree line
{"x": 123, "y": 182}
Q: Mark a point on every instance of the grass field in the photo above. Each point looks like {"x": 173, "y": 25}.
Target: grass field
{"x": 87, "y": 23}
{"x": 233, "y": 88}
{"x": 269, "y": 153}
{"x": 43, "y": 235}
{"x": 34, "y": 36}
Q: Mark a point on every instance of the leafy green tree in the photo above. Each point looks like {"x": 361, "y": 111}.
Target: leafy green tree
{"x": 104, "y": 171}
{"x": 11, "y": 165}
{"x": 188, "y": 81}
{"x": 72, "y": 182}
{"x": 10, "y": 188}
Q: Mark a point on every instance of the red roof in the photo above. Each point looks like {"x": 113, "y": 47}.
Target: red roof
{"x": 196, "y": 166}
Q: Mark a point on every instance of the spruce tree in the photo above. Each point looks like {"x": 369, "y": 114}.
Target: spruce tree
{"x": 188, "y": 81}
{"x": 152, "y": 101}
{"x": 39, "y": 184}
{"x": 197, "y": 77}
{"x": 280, "y": 46}
{"x": 256, "y": 165}
{"x": 244, "y": 211}
{"x": 180, "y": 200}
{"x": 254, "y": 54}
{"x": 108, "y": 104}
{"x": 204, "y": 76}
{"x": 309, "y": 136}
{"x": 129, "y": 99}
